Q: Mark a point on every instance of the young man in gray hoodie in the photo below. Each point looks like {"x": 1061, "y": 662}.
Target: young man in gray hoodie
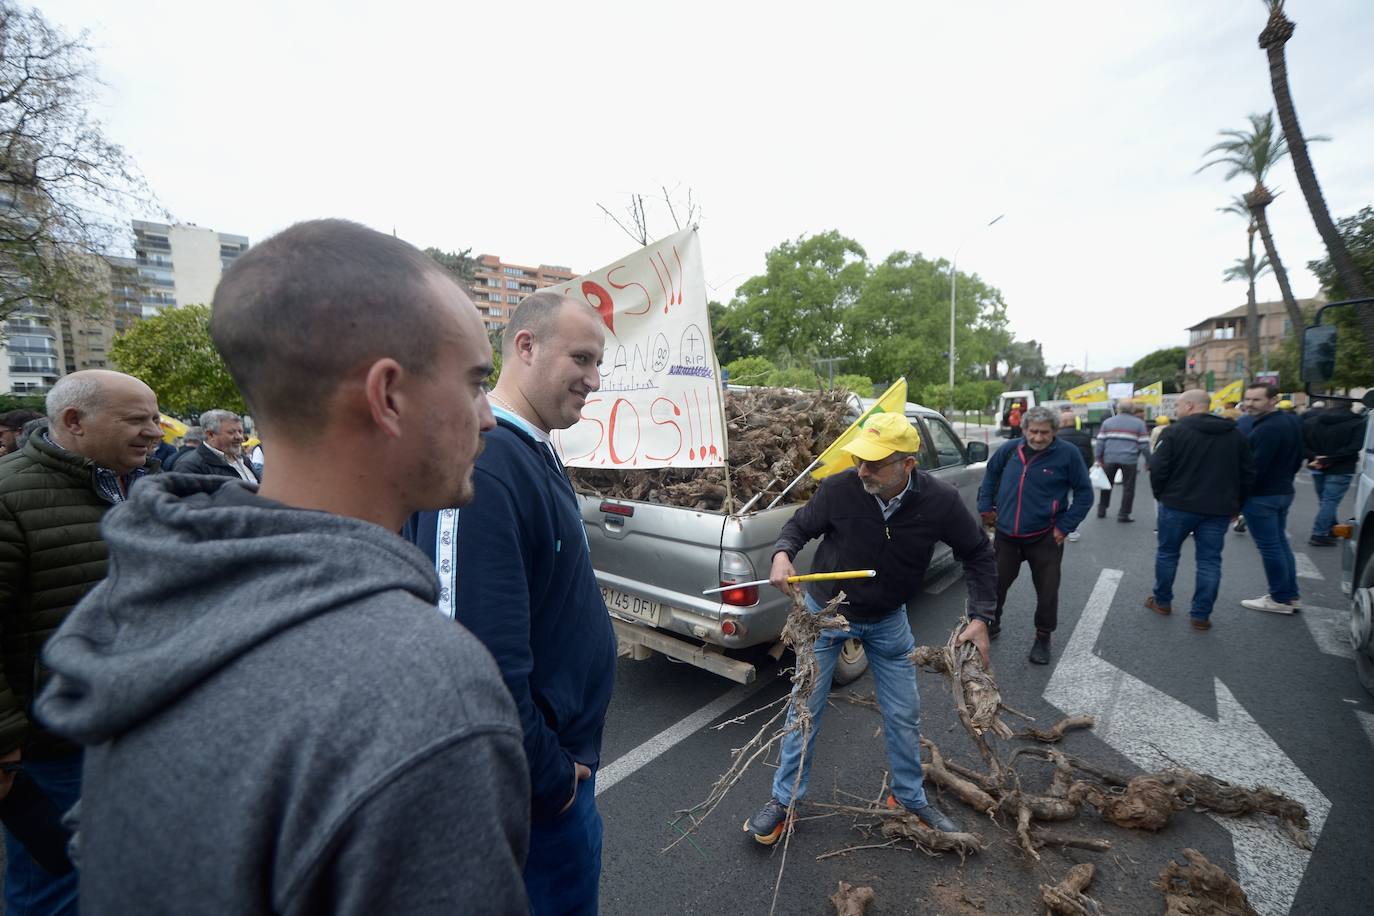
{"x": 275, "y": 718}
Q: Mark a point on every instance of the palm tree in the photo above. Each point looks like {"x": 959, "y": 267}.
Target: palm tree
{"x": 1250, "y": 270}
{"x": 1252, "y": 317}
{"x": 1254, "y": 153}
{"x": 1276, "y": 33}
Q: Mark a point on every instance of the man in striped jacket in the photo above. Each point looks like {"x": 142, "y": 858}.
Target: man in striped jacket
{"x": 1120, "y": 441}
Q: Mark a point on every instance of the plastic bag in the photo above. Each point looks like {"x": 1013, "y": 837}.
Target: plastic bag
{"x": 1099, "y": 478}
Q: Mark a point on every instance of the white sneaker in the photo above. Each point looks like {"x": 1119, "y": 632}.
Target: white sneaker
{"x": 1074, "y": 535}
{"x": 1266, "y": 603}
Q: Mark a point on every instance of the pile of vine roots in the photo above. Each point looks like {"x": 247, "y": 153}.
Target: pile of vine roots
{"x": 1038, "y": 786}
{"x": 774, "y": 434}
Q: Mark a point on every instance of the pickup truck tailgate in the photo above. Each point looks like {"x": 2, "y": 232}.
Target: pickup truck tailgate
{"x": 664, "y": 554}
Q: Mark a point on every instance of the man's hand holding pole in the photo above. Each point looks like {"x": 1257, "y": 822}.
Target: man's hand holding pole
{"x": 781, "y": 571}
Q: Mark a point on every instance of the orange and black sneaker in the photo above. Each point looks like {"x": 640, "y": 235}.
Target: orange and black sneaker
{"x": 768, "y": 823}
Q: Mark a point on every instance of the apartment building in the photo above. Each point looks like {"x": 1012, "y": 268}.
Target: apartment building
{"x": 1218, "y": 345}
{"x": 181, "y": 264}
{"x": 498, "y": 287}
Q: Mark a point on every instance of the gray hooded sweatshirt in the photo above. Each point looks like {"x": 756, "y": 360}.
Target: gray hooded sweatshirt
{"x": 277, "y": 720}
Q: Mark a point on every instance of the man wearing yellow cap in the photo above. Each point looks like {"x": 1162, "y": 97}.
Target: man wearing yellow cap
{"x": 887, "y": 516}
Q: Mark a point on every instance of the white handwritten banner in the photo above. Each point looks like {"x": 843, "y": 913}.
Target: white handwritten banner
{"x": 660, "y": 402}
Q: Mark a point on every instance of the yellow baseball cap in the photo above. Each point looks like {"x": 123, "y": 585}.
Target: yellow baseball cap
{"x": 883, "y": 434}
{"x": 1162, "y": 421}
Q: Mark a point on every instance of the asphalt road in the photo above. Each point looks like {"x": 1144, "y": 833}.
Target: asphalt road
{"x": 1258, "y": 698}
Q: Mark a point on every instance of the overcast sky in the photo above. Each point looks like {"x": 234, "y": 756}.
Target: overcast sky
{"x": 905, "y": 126}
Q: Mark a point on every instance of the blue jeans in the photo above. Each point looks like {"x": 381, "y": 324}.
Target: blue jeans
{"x": 563, "y": 871}
{"x": 888, "y": 643}
{"x": 1267, "y": 518}
{"x": 1209, "y": 536}
{"x": 29, "y": 889}
{"x": 1330, "y": 489}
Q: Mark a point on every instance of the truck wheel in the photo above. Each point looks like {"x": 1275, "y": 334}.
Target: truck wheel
{"x": 851, "y": 664}
{"x": 1362, "y": 622}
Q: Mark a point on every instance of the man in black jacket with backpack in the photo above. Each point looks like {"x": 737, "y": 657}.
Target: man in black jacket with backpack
{"x": 1332, "y": 439}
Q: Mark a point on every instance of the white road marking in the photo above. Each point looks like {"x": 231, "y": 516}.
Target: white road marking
{"x": 1367, "y": 721}
{"x": 1330, "y": 630}
{"x": 1146, "y": 724}
{"x": 634, "y": 759}
{"x": 945, "y": 581}
{"x": 1306, "y": 569}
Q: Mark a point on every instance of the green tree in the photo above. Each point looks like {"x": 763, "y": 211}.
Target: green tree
{"x": 1354, "y": 363}
{"x": 861, "y": 385}
{"x": 731, "y": 341}
{"x": 750, "y": 370}
{"x": 62, "y": 181}
{"x": 1025, "y": 364}
{"x": 1253, "y": 153}
{"x": 461, "y": 264}
{"x": 1277, "y": 30}
{"x": 795, "y": 377}
{"x": 903, "y": 307}
{"x": 796, "y": 306}
{"x": 172, "y": 353}
{"x": 1168, "y": 364}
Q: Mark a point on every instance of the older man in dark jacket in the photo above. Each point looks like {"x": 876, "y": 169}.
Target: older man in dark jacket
{"x": 221, "y": 452}
{"x": 53, "y": 494}
{"x": 1200, "y": 474}
{"x": 1026, "y": 494}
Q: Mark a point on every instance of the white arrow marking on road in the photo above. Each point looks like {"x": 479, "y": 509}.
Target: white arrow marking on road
{"x": 1144, "y": 724}
{"x": 1367, "y": 721}
{"x": 1304, "y": 567}
{"x": 1330, "y": 630}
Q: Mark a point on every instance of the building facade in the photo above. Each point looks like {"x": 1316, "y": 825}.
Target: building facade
{"x": 181, "y": 264}
{"x": 1219, "y": 344}
{"x": 498, "y": 287}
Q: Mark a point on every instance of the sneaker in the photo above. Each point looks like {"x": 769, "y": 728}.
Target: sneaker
{"x": 1074, "y": 535}
{"x": 1240, "y": 525}
{"x": 1124, "y": 518}
{"x": 1266, "y": 603}
{"x": 768, "y": 823}
{"x": 1322, "y": 540}
{"x": 1158, "y": 608}
{"x": 930, "y": 815}
{"x": 1040, "y": 651}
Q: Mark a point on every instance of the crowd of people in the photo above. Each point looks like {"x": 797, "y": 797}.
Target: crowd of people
{"x": 224, "y": 687}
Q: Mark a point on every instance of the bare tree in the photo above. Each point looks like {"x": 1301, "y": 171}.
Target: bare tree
{"x": 62, "y": 181}
{"x": 635, "y": 224}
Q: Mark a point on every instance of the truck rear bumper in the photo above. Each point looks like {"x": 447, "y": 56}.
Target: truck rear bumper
{"x": 708, "y": 657}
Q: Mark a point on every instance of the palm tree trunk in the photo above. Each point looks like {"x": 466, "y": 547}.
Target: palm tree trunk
{"x": 1275, "y": 35}
{"x": 1252, "y": 317}
{"x": 1289, "y": 303}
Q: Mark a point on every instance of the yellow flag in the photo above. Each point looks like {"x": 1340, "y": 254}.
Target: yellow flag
{"x": 1150, "y": 394}
{"x": 171, "y": 428}
{"x": 1089, "y": 392}
{"x": 1232, "y": 392}
{"x": 832, "y": 460}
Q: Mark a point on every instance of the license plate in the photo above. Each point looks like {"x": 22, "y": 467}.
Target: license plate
{"x": 632, "y": 605}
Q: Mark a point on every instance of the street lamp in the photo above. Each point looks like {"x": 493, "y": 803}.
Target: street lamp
{"x": 953, "y": 279}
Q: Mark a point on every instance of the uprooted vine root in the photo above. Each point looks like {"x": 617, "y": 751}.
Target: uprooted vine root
{"x": 1201, "y": 889}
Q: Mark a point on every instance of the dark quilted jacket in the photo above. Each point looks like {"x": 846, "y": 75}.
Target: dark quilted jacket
{"x": 51, "y": 554}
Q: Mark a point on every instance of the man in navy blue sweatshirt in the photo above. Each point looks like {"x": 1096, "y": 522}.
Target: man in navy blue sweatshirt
{"x": 1025, "y": 492}
{"x": 1277, "y": 450}
{"x": 514, "y": 569}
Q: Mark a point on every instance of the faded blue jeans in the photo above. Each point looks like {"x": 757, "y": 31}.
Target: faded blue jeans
{"x": 29, "y": 889}
{"x": 1267, "y": 518}
{"x": 1209, "y": 536}
{"x": 563, "y": 871}
{"x": 1330, "y": 489}
{"x": 888, "y": 643}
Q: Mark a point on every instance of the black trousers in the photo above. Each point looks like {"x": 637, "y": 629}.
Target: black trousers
{"x": 1044, "y": 557}
{"x": 1128, "y": 474}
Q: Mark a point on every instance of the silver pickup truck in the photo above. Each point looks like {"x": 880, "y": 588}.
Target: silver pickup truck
{"x": 653, "y": 561}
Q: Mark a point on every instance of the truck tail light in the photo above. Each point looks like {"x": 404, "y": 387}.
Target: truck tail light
{"x": 729, "y": 626}
{"x": 735, "y": 567}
